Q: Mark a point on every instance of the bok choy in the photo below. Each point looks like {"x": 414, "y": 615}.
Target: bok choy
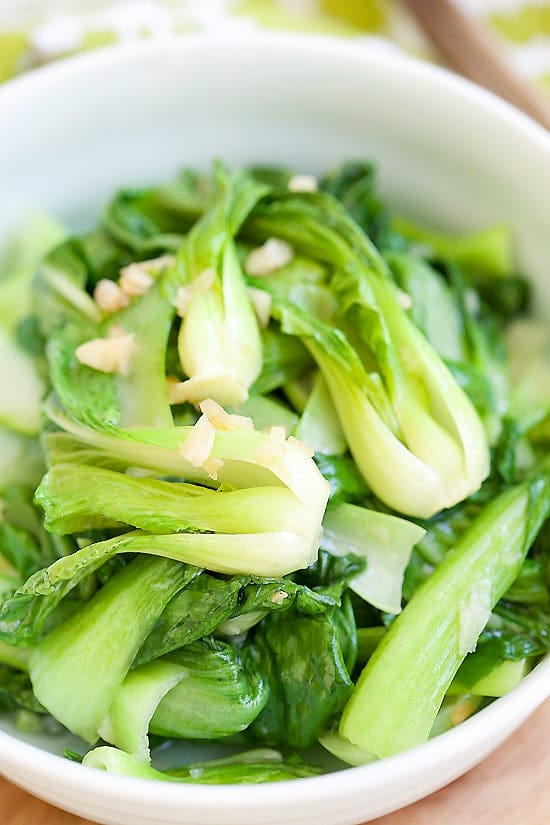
{"x": 273, "y": 472}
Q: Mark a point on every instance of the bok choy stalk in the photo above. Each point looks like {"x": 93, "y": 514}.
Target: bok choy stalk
{"x": 399, "y": 692}
{"x": 127, "y": 722}
{"x": 77, "y": 669}
{"x": 219, "y": 340}
{"x": 248, "y": 459}
{"x": 398, "y": 404}
{"x": 77, "y": 498}
{"x": 204, "y": 691}
{"x": 259, "y": 765}
{"x": 319, "y": 426}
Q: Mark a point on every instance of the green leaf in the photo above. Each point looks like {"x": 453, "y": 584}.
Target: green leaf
{"x": 354, "y": 185}
{"x": 402, "y": 393}
{"x": 346, "y": 482}
{"x": 302, "y": 660}
{"x": 487, "y": 252}
{"x": 284, "y": 358}
{"x": 220, "y": 693}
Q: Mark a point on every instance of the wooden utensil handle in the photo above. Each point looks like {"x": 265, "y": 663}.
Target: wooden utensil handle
{"x": 471, "y": 50}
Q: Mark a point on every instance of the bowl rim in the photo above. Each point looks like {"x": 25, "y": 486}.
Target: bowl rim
{"x": 476, "y": 730}
{"x": 359, "y": 49}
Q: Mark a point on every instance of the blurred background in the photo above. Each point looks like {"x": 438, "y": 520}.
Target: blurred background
{"x": 34, "y": 32}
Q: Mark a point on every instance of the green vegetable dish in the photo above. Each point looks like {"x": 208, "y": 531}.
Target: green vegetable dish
{"x": 274, "y": 476}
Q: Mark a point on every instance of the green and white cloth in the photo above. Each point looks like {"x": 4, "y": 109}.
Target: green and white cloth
{"x": 33, "y": 32}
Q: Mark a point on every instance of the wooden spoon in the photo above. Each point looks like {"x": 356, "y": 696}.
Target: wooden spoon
{"x": 472, "y": 51}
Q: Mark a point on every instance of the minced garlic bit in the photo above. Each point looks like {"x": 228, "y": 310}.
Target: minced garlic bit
{"x": 261, "y": 304}
{"x": 269, "y": 257}
{"x": 404, "y": 299}
{"x": 278, "y": 597}
{"x": 185, "y": 294}
{"x": 136, "y": 279}
{"x": 222, "y": 420}
{"x": 302, "y": 183}
{"x": 112, "y": 354}
{"x": 109, "y": 297}
{"x": 273, "y": 448}
{"x": 199, "y": 444}
{"x": 212, "y": 467}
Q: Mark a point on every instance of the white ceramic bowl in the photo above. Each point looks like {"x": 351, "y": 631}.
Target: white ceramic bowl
{"x": 449, "y": 154}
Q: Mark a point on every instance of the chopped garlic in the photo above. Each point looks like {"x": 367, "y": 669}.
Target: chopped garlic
{"x": 112, "y": 354}
{"x": 269, "y": 257}
{"x": 302, "y": 183}
{"x": 109, "y": 297}
{"x": 185, "y": 294}
{"x": 272, "y": 449}
{"x": 404, "y": 299}
{"x": 136, "y": 279}
{"x": 261, "y": 304}
{"x": 278, "y": 597}
{"x": 199, "y": 444}
{"x": 212, "y": 467}
{"x": 222, "y": 420}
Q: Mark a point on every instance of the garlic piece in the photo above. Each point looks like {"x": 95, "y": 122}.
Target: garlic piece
{"x": 269, "y": 257}
{"x": 303, "y": 183}
{"x": 199, "y": 444}
{"x": 109, "y": 297}
{"x": 110, "y": 355}
{"x": 222, "y": 420}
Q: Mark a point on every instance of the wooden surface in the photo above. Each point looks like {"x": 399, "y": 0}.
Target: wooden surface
{"x": 512, "y": 787}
